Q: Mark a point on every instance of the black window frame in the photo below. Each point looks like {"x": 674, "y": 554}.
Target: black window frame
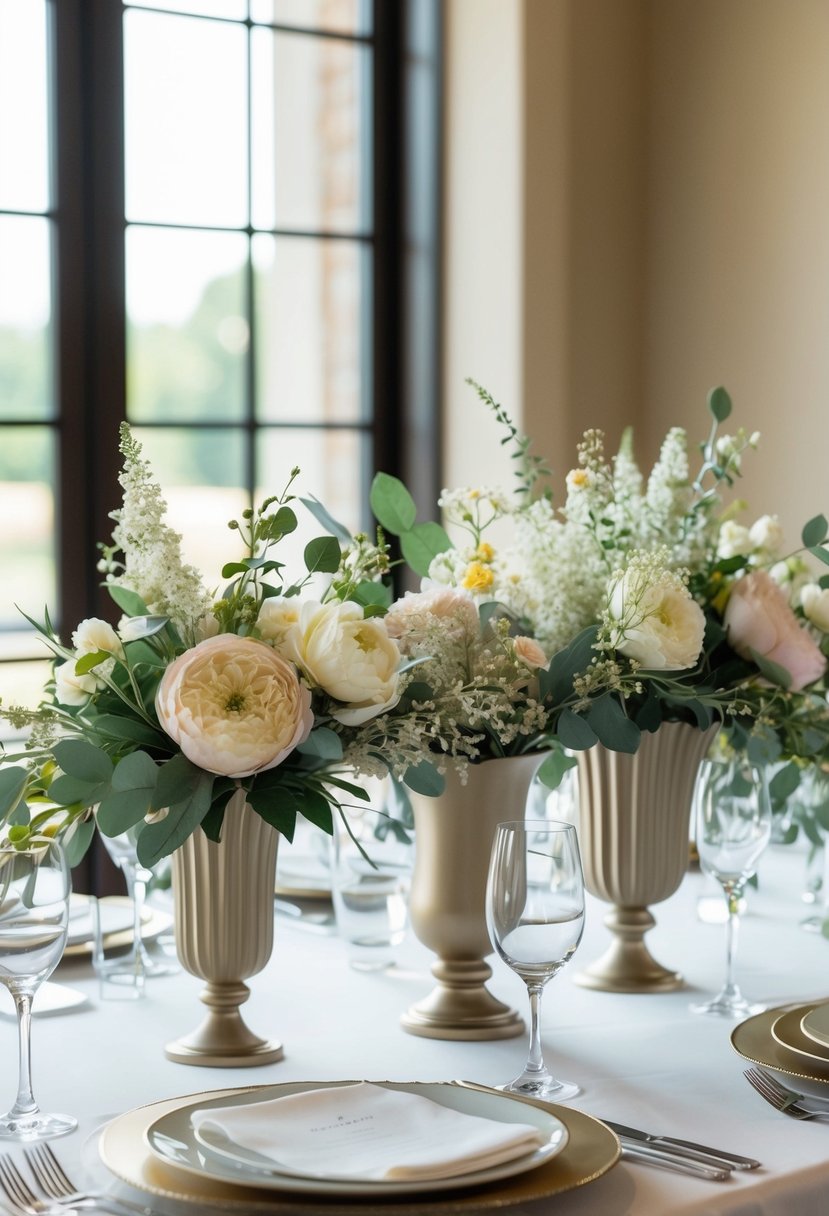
{"x": 87, "y": 124}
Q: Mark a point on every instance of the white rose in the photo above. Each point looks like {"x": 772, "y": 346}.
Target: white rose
{"x": 734, "y": 540}
{"x": 766, "y": 533}
{"x": 71, "y": 689}
{"x": 278, "y": 617}
{"x": 815, "y": 603}
{"x": 352, "y": 659}
{"x": 661, "y": 624}
{"x": 93, "y": 635}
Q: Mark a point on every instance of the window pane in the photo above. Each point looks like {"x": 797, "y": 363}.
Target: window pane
{"x": 23, "y": 684}
{"x": 185, "y": 120}
{"x": 235, "y": 9}
{"x": 344, "y": 16}
{"x": 333, "y": 466}
{"x": 25, "y": 307}
{"x": 188, "y": 334}
{"x": 308, "y": 328}
{"x": 309, "y": 105}
{"x": 26, "y": 549}
{"x": 24, "y": 181}
{"x": 201, "y": 473}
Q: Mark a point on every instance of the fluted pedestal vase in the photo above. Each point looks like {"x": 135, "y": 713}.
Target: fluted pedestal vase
{"x": 634, "y": 833}
{"x": 224, "y": 909}
{"x": 447, "y": 903}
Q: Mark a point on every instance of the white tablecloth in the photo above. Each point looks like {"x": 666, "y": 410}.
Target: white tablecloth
{"x": 642, "y": 1060}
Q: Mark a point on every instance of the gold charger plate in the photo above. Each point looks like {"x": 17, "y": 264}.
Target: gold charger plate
{"x": 754, "y": 1041}
{"x": 592, "y": 1149}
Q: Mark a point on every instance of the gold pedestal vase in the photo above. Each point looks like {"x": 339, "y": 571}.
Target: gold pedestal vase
{"x": 447, "y": 903}
{"x": 224, "y": 911}
{"x": 634, "y": 834}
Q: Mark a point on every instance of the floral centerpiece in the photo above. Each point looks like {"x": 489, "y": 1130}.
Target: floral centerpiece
{"x": 158, "y": 721}
{"x": 650, "y": 598}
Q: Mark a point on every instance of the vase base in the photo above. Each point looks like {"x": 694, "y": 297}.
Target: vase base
{"x": 471, "y": 1015}
{"x": 183, "y": 1051}
{"x": 651, "y": 977}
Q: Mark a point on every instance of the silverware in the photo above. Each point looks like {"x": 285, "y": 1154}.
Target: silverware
{"x": 55, "y": 1183}
{"x": 644, "y": 1154}
{"x": 684, "y": 1148}
{"x": 784, "y": 1100}
{"x": 20, "y": 1195}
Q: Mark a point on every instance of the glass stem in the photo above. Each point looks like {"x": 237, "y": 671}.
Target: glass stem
{"x": 732, "y": 895}
{"x": 25, "y": 1102}
{"x": 535, "y": 1060}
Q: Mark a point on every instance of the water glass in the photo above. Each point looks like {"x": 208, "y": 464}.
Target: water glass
{"x": 137, "y": 961}
{"x": 119, "y": 968}
{"x": 34, "y": 917}
{"x": 733, "y": 818}
{"x": 370, "y": 881}
{"x": 535, "y": 918}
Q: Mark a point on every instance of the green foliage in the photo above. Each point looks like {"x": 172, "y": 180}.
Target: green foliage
{"x": 719, "y": 403}
{"x": 395, "y": 510}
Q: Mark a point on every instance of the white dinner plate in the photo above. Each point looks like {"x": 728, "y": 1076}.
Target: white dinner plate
{"x": 49, "y": 998}
{"x": 303, "y": 875}
{"x": 172, "y": 1139}
{"x": 787, "y": 1030}
{"x": 815, "y": 1024}
{"x": 116, "y": 916}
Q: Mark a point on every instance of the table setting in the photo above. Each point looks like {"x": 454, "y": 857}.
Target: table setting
{"x": 636, "y": 645}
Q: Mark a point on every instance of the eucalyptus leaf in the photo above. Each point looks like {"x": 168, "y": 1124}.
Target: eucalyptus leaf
{"x": 820, "y": 553}
{"x": 282, "y": 523}
{"x": 137, "y": 770}
{"x": 278, "y": 806}
{"x": 613, "y": 727}
{"x": 13, "y": 783}
{"x": 328, "y": 522}
{"x": 317, "y": 809}
{"x": 392, "y": 504}
{"x": 814, "y": 532}
{"x": 122, "y": 810}
{"x": 553, "y": 768}
{"x": 424, "y": 778}
{"x": 322, "y": 555}
{"x": 177, "y": 782}
{"x": 372, "y": 595}
{"x": 421, "y": 544}
{"x": 67, "y": 791}
{"x": 719, "y": 403}
{"x": 556, "y": 680}
{"x": 323, "y": 743}
{"x": 115, "y": 726}
{"x": 771, "y": 670}
{"x": 574, "y": 732}
{"x": 130, "y": 602}
{"x": 83, "y": 760}
{"x": 784, "y": 783}
{"x": 76, "y": 840}
{"x": 163, "y": 837}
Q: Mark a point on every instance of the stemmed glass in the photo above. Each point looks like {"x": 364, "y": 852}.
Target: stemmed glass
{"x": 123, "y": 850}
{"x": 733, "y": 826}
{"x": 535, "y": 918}
{"x": 34, "y": 916}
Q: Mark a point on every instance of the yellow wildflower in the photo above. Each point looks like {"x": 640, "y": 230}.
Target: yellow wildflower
{"x": 478, "y": 577}
{"x": 484, "y": 552}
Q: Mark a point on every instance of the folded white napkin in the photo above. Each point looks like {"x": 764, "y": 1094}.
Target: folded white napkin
{"x": 364, "y": 1131}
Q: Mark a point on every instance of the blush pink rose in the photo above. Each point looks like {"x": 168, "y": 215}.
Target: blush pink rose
{"x": 234, "y": 706}
{"x": 758, "y": 618}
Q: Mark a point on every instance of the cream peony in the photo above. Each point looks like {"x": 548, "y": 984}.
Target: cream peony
{"x": 234, "y": 706}
{"x": 71, "y": 689}
{"x": 766, "y": 533}
{"x": 350, "y": 657}
{"x": 815, "y": 603}
{"x": 278, "y": 617}
{"x": 660, "y": 623}
{"x": 758, "y": 618}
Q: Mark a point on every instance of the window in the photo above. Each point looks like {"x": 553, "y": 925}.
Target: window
{"x": 218, "y": 219}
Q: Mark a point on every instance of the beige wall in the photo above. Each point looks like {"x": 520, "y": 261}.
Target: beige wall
{"x": 657, "y": 173}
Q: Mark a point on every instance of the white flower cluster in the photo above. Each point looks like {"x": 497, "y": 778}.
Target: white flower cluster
{"x": 152, "y": 564}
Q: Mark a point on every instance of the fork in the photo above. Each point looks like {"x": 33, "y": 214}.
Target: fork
{"x": 781, "y": 1099}
{"x": 20, "y": 1195}
{"x": 53, "y": 1180}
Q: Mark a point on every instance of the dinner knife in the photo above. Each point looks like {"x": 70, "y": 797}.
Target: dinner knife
{"x": 685, "y": 1148}
{"x": 647, "y": 1154}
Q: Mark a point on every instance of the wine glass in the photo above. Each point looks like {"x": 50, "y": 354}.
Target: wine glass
{"x": 34, "y": 916}
{"x": 123, "y": 850}
{"x": 535, "y": 918}
{"x": 733, "y": 826}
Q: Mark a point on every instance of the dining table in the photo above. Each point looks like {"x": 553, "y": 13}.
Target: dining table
{"x": 642, "y": 1059}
